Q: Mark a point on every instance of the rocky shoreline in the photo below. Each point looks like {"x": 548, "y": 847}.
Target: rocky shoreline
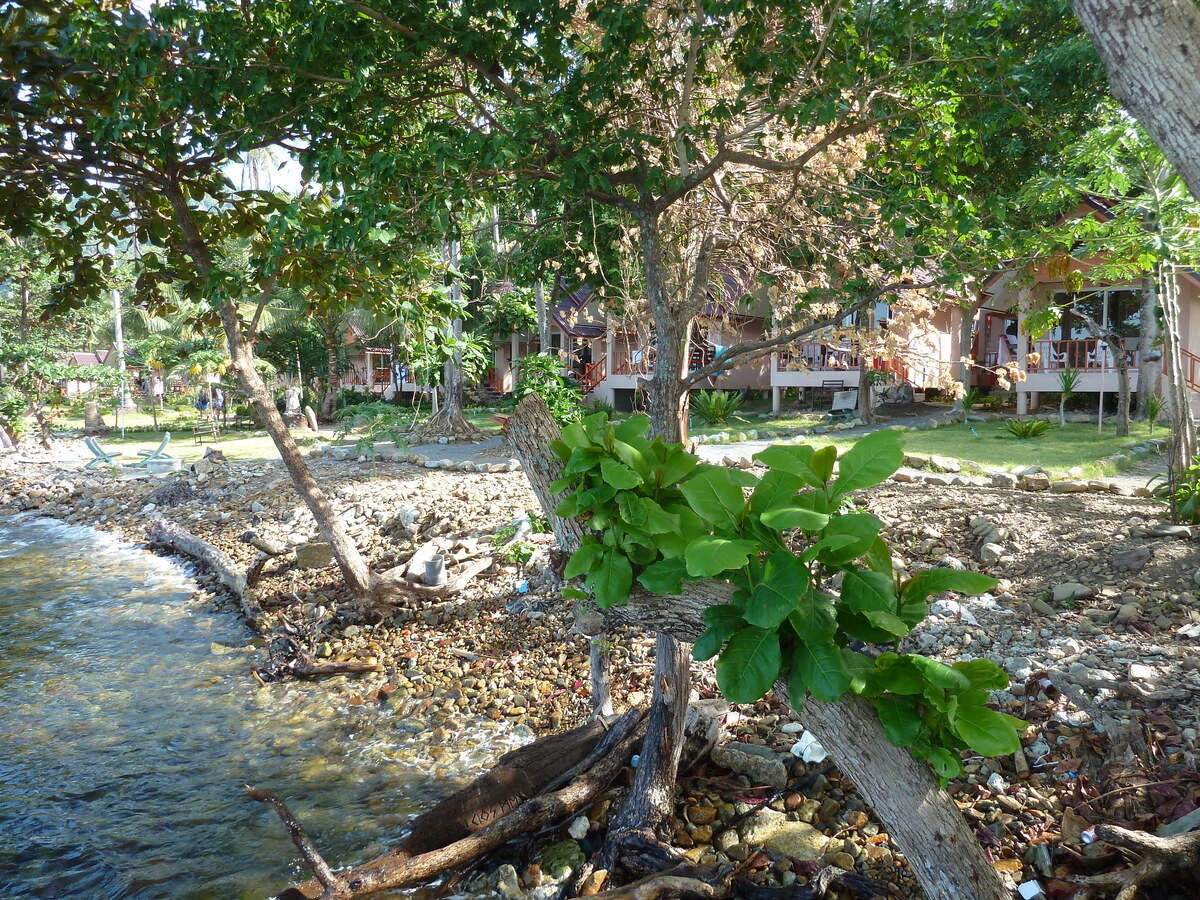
{"x": 1096, "y": 618}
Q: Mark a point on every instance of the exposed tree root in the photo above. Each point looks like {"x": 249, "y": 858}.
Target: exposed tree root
{"x": 448, "y": 423}
{"x": 1175, "y": 860}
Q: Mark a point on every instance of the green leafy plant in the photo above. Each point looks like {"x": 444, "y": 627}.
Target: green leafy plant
{"x": 1154, "y": 408}
{"x": 1026, "y": 429}
{"x": 1068, "y": 381}
{"x": 370, "y": 423}
{"x": 603, "y": 406}
{"x": 715, "y": 407}
{"x": 663, "y": 518}
{"x": 545, "y": 376}
{"x": 970, "y": 400}
{"x": 1181, "y": 491}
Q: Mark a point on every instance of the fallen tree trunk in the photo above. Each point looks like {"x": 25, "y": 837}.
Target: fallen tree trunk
{"x": 403, "y": 866}
{"x": 163, "y": 533}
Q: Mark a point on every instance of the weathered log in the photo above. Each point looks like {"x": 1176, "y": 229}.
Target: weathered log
{"x": 399, "y": 869}
{"x": 164, "y": 533}
{"x": 299, "y": 837}
{"x": 395, "y": 583}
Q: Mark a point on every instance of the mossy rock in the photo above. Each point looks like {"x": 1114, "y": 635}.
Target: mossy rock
{"x": 561, "y": 859}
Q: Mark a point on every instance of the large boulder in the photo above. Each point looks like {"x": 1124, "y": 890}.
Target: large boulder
{"x": 778, "y": 835}
{"x": 760, "y": 765}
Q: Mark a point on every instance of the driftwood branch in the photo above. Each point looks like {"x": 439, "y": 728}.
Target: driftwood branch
{"x": 308, "y": 668}
{"x": 163, "y": 533}
{"x": 402, "y": 868}
{"x": 330, "y": 882}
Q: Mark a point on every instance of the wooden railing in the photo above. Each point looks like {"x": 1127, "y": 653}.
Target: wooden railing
{"x": 593, "y": 374}
{"x": 1077, "y": 353}
{"x": 632, "y": 361}
{"x": 1190, "y": 363}
{"x": 815, "y": 357}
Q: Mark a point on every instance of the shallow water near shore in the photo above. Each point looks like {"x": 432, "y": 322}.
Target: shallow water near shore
{"x": 129, "y": 723}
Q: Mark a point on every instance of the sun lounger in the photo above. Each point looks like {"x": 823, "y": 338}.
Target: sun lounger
{"x": 156, "y": 453}
{"x": 102, "y": 456}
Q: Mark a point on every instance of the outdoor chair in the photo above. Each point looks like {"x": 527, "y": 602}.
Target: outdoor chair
{"x": 827, "y": 391}
{"x": 102, "y": 457}
{"x": 156, "y": 453}
{"x": 206, "y": 429}
{"x": 844, "y": 407}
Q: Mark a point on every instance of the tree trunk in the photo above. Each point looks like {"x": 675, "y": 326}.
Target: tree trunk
{"x": 25, "y": 300}
{"x": 1149, "y": 354}
{"x": 449, "y": 421}
{"x": 333, "y": 379}
{"x": 531, "y": 429}
{"x": 351, "y": 563}
{"x": 1122, "y": 361}
{"x": 1177, "y": 390}
{"x": 925, "y": 823}
{"x": 543, "y": 317}
{"x": 1149, "y": 51}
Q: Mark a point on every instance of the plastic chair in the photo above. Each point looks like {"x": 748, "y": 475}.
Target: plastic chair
{"x": 156, "y": 453}
{"x": 103, "y": 457}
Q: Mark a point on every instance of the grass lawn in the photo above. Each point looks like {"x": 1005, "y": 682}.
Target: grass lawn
{"x": 989, "y": 444}
{"x": 737, "y": 423}
{"x": 239, "y": 445}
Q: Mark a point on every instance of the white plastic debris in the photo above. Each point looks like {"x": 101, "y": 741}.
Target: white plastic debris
{"x": 1088, "y": 836}
{"x": 996, "y": 784}
{"x": 809, "y": 749}
{"x": 1192, "y": 630}
{"x": 1031, "y": 890}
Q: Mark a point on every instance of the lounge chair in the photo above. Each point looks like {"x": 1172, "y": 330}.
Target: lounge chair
{"x": 156, "y": 453}
{"x": 103, "y": 457}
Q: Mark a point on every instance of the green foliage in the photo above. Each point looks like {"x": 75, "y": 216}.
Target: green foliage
{"x": 715, "y": 407}
{"x": 1027, "y": 429}
{"x": 373, "y": 422}
{"x": 1182, "y": 492}
{"x": 544, "y": 375}
{"x": 1154, "y": 408}
{"x": 971, "y": 399}
{"x": 663, "y": 518}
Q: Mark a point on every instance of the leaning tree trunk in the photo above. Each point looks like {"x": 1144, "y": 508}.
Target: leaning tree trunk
{"x": 922, "y": 819}
{"x": 531, "y": 429}
{"x": 924, "y": 822}
{"x": 351, "y": 563}
{"x": 1118, "y": 349}
{"x": 1149, "y": 51}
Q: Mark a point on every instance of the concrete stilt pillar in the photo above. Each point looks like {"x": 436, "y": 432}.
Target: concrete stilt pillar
{"x": 776, "y": 399}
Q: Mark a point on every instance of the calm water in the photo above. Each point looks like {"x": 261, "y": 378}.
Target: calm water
{"x": 129, "y": 723}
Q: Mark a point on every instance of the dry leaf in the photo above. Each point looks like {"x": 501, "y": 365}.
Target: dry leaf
{"x": 1008, "y": 866}
{"x": 1073, "y": 825}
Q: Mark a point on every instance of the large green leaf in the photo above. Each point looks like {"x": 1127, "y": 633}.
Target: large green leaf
{"x": 879, "y": 557}
{"x": 632, "y": 430}
{"x": 618, "y": 474}
{"x": 750, "y": 664}
{"x": 983, "y": 673}
{"x": 899, "y": 718}
{"x": 658, "y": 520}
{"x": 634, "y": 458}
{"x": 713, "y": 495}
{"x": 611, "y": 579}
{"x": 867, "y": 590}
{"x": 785, "y": 517}
{"x": 664, "y": 576}
{"x": 940, "y": 674}
{"x": 723, "y": 622}
{"x": 863, "y": 527}
{"x": 813, "y": 619}
{"x": 822, "y": 462}
{"x": 677, "y": 464}
{"x": 775, "y": 489}
{"x": 889, "y": 622}
{"x": 784, "y": 582}
{"x": 986, "y": 731}
{"x": 872, "y": 460}
{"x": 711, "y": 555}
{"x": 791, "y": 459}
{"x": 632, "y": 507}
{"x": 583, "y": 558}
{"x": 820, "y": 668}
{"x": 936, "y": 581}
